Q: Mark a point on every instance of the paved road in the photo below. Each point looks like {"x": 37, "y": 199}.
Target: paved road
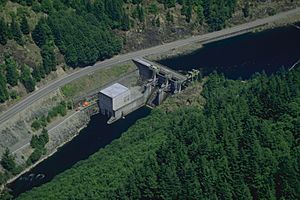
{"x": 229, "y": 32}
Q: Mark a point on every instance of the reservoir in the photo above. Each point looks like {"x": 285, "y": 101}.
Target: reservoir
{"x": 238, "y": 57}
{"x": 244, "y": 55}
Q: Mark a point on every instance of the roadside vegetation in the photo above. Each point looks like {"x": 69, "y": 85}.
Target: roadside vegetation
{"x": 10, "y": 168}
{"x": 11, "y": 73}
{"x": 242, "y": 144}
{"x": 45, "y": 35}
{"x": 61, "y": 109}
{"x": 38, "y": 143}
{"x": 96, "y": 80}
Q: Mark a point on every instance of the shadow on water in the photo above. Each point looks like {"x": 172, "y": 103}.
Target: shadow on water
{"x": 244, "y": 55}
{"x": 95, "y": 136}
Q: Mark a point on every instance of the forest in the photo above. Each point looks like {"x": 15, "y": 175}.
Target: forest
{"x": 244, "y": 144}
{"x": 86, "y": 31}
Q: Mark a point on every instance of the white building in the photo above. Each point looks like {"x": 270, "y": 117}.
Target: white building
{"x": 112, "y": 98}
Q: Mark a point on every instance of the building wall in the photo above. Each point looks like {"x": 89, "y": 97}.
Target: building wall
{"x": 125, "y": 103}
{"x": 105, "y": 104}
{"x": 130, "y": 107}
{"x": 121, "y": 100}
{"x": 109, "y": 105}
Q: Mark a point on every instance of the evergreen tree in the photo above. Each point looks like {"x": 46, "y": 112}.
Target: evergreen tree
{"x": 125, "y": 23}
{"x": 3, "y": 89}
{"x": 16, "y": 31}
{"x": 29, "y": 2}
{"x": 26, "y": 78}
{"x": 47, "y": 6}
{"x": 246, "y": 9}
{"x": 8, "y": 161}
{"x": 200, "y": 14}
{"x": 3, "y": 32}
{"x": 36, "y": 73}
{"x": 42, "y": 33}
{"x": 24, "y": 25}
{"x": 170, "y": 17}
{"x": 12, "y": 74}
{"x": 157, "y": 22}
{"x": 49, "y": 63}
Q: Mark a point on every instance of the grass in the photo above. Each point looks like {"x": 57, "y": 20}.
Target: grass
{"x": 96, "y": 80}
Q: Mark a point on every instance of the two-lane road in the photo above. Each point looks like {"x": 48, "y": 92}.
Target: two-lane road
{"x": 240, "y": 29}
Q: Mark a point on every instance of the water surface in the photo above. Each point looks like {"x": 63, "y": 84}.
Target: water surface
{"x": 95, "y": 136}
{"x": 244, "y": 55}
{"x": 240, "y": 56}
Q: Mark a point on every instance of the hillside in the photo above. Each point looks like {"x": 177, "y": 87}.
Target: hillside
{"x": 41, "y": 39}
{"x": 243, "y": 144}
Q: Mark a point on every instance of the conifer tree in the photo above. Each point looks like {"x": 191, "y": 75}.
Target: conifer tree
{"x": 3, "y": 32}
{"x": 12, "y": 73}
{"x": 16, "y": 31}
{"x": 8, "y": 161}
{"x": 42, "y": 33}
{"x": 36, "y": 74}
{"x": 48, "y": 56}
{"x": 3, "y": 90}
{"x": 24, "y": 25}
{"x": 27, "y": 80}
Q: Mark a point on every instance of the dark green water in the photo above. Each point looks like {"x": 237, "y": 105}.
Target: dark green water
{"x": 244, "y": 55}
{"x": 240, "y": 56}
{"x": 95, "y": 136}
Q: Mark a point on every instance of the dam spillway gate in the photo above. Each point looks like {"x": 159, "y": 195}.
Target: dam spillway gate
{"x": 156, "y": 83}
{"x": 159, "y": 80}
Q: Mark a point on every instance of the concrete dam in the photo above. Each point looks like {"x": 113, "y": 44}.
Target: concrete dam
{"x": 156, "y": 82}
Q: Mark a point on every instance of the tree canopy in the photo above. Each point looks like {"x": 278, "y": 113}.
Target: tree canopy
{"x": 8, "y": 161}
{"x": 244, "y": 144}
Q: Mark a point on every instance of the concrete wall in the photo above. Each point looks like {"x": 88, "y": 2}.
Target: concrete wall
{"x": 132, "y": 106}
{"x": 144, "y": 72}
{"x": 109, "y": 105}
{"x": 135, "y": 103}
{"x": 105, "y": 104}
{"x": 121, "y": 100}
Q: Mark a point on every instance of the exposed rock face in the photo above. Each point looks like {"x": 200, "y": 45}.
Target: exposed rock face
{"x": 16, "y": 133}
{"x": 66, "y": 130}
{"x": 18, "y": 128}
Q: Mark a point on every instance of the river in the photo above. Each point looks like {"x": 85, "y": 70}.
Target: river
{"x": 244, "y": 55}
{"x": 95, "y": 136}
{"x": 238, "y": 57}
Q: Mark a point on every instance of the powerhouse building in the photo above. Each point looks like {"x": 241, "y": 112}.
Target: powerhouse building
{"x": 112, "y": 98}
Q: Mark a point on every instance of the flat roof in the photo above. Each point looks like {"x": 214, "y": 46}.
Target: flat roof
{"x": 114, "y": 90}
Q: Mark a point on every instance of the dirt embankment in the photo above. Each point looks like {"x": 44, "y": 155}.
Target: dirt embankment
{"x": 147, "y": 34}
{"x": 60, "y": 134}
{"x": 17, "y": 132}
{"x": 18, "y": 128}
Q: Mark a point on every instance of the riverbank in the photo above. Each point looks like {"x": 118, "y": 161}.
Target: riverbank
{"x": 67, "y": 130}
{"x": 63, "y": 129}
{"x": 27, "y": 169}
{"x": 276, "y": 21}
{"x": 145, "y": 52}
{"x": 231, "y": 35}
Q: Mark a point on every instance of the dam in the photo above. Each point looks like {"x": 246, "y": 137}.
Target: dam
{"x": 156, "y": 82}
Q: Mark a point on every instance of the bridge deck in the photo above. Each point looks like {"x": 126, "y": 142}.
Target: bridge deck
{"x": 161, "y": 69}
